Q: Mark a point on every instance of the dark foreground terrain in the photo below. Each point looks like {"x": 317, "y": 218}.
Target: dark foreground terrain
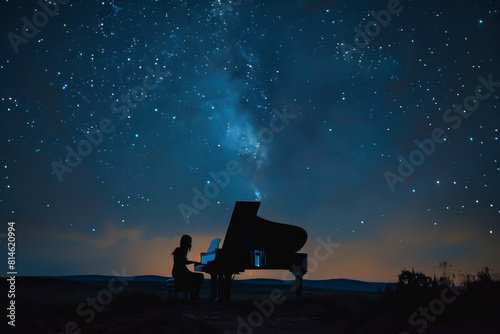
{"x": 49, "y": 305}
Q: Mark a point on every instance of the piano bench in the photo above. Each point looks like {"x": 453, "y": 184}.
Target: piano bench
{"x": 173, "y": 287}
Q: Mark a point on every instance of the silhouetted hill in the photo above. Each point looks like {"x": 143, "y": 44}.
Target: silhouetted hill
{"x": 329, "y": 284}
{"x": 341, "y": 284}
{"x": 100, "y": 278}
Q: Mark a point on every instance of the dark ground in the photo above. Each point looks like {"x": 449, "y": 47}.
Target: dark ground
{"x": 48, "y": 305}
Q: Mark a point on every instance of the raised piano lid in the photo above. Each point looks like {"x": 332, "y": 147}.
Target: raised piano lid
{"x": 247, "y": 231}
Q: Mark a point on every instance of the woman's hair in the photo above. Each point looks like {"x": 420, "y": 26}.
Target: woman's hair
{"x": 186, "y": 242}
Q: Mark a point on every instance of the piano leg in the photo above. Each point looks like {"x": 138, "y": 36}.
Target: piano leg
{"x": 214, "y": 288}
{"x": 227, "y": 286}
{"x": 221, "y": 287}
{"x": 298, "y": 286}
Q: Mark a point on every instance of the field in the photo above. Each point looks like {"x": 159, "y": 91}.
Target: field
{"x": 49, "y": 305}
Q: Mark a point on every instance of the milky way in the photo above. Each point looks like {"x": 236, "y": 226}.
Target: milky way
{"x": 379, "y": 132}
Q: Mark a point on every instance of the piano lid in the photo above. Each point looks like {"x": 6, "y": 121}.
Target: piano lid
{"x": 247, "y": 231}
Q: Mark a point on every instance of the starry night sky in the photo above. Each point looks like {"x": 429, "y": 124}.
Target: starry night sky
{"x": 220, "y": 76}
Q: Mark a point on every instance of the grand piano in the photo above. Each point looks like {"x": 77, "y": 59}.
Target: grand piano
{"x": 253, "y": 243}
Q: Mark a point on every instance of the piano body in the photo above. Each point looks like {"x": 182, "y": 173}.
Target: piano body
{"x": 253, "y": 243}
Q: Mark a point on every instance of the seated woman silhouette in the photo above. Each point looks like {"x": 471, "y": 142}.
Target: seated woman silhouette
{"x": 184, "y": 278}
